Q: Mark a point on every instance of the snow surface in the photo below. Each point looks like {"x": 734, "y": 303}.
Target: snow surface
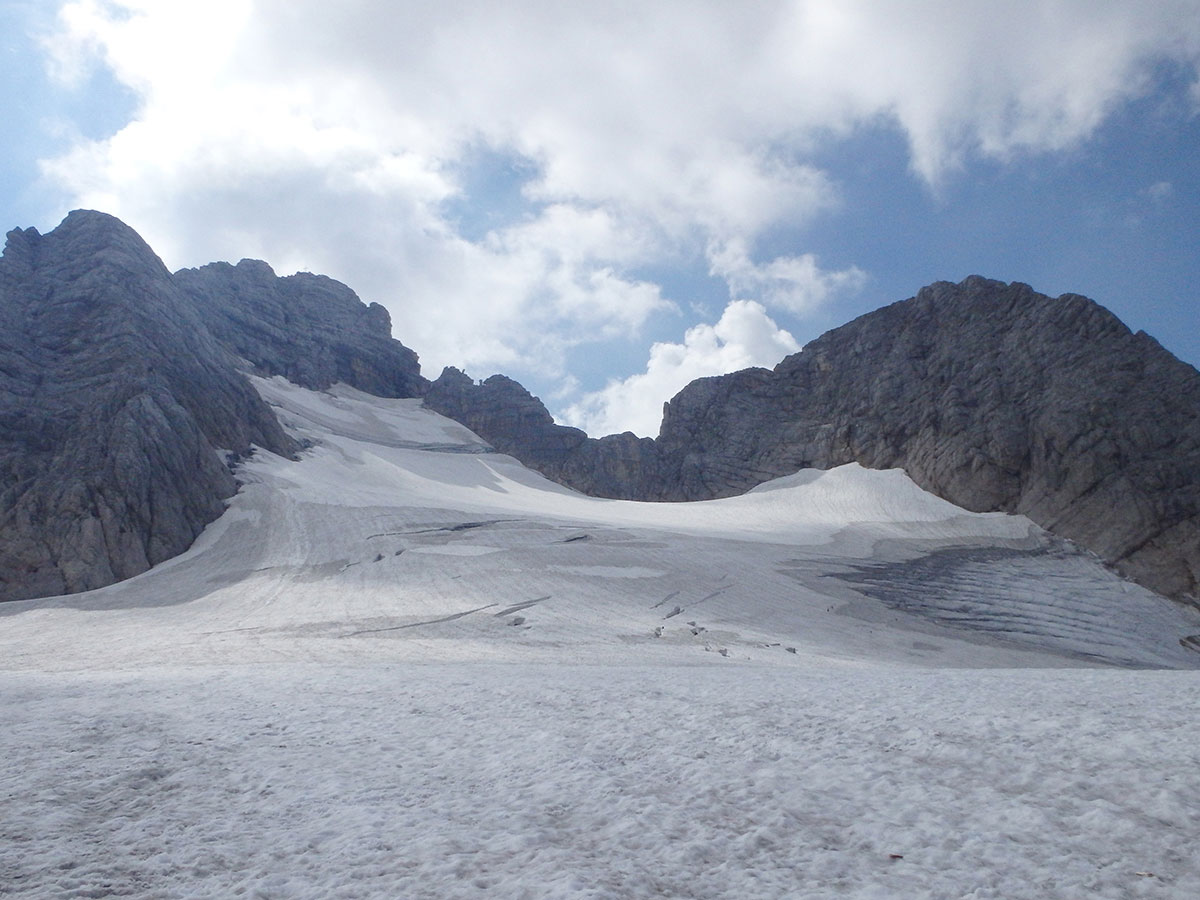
{"x": 406, "y": 666}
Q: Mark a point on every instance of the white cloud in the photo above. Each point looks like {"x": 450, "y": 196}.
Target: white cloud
{"x": 792, "y": 283}
{"x": 1160, "y": 191}
{"x": 989, "y": 77}
{"x": 744, "y": 336}
{"x": 328, "y": 136}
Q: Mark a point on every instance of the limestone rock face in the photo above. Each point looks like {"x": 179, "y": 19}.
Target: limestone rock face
{"x": 310, "y": 329}
{"x": 988, "y": 394}
{"x": 114, "y": 402}
{"x": 515, "y": 422}
{"x": 121, "y": 405}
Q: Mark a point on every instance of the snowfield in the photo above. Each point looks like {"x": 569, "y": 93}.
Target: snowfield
{"x": 406, "y": 666}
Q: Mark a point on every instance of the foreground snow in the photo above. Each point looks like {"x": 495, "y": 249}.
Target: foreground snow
{"x": 407, "y": 667}
{"x": 411, "y": 781}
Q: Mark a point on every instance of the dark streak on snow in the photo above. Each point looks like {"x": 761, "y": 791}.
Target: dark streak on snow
{"x": 520, "y": 606}
{"x": 710, "y": 596}
{"x": 417, "y": 624}
{"x": 670, "y": 596}
{"x": 462, "y": 526}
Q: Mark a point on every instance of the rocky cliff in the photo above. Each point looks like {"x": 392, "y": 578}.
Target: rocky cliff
{"x": 310, "y": 329}
{"x": 990, "y": 395}
{"x": 122, "y": 407}
{"x": 113, "y": 400}
{"x": 513, "y": 421}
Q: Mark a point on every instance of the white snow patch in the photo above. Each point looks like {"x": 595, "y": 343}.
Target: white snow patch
{"x": 458, "y": 550}
{"x": 450, "y": 782}
{"x": 609, "y": 571}
{"x": 405, "y": 666}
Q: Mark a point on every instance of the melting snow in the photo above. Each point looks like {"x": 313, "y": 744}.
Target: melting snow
{"x": 406, "y": 666}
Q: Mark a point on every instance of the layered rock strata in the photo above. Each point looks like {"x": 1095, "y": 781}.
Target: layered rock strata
{"x": 988, "y": 394}
{"x": 310, "y": 329}
{"x": 123, "y": 409}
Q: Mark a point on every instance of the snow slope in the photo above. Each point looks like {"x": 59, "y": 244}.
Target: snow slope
{"x": 406, "y": 666}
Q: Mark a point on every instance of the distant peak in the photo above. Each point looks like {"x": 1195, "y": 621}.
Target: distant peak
{"x": 77, "y": 216}
{"x": 256, "y": 267}
{"x": 93, "y": 229}
{"x": 94, "y": 221}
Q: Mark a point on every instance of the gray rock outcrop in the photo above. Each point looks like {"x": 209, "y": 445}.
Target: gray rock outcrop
{"x": 515, "y": 422}
{"x": 122, "y": 405}
{"x": 310, "y": 329}
{"x": 988, "y": 394}
{"x": 114, "y": 400}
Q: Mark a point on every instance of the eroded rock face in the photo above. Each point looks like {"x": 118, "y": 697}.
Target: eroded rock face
{"x": 310, "y": 329}
{"x": 988, "y": 394}
{"x": 114, "y": 402}
{"x": 121, "y": 399}
{"x": 515, "y": 422}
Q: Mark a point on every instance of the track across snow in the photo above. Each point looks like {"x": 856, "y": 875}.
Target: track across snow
{"x": 408, "y": 667}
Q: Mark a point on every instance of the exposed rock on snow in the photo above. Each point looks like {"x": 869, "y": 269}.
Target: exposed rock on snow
{"x": 114, "y": 399}
{"x": 515, "y": 422}
{"x": 121, "y": 404}
{"x": 990, "y": 395}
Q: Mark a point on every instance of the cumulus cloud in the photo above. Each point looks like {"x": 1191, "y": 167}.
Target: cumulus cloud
{"x": 332, "y": 136}
{"x": 744, "y": 336}
{"x": 793, "y": 283}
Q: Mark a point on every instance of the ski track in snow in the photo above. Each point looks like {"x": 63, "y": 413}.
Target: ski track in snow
{"x": 407, "y": 667}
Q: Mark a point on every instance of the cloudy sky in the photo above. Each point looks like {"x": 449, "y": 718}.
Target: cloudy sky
{"x": 606, "y": 200}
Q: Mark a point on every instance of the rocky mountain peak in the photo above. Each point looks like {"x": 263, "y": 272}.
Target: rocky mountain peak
{"x": 986, "y": 393}
{"x": 311, "y": 329}
{"x": 122, "y": 397}
{"x": 121, "y": 403}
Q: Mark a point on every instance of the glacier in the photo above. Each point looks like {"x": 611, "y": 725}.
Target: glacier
{"x": 407, "y": 666}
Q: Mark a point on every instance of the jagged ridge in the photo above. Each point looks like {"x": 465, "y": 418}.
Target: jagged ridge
{"x": 988, "y": 394}
{"x": 118, "y": 382}
{"x": 121, "y": 404}
{"x": 310, "y": 329}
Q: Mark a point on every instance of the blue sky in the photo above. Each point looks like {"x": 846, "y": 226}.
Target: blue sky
{"x": 605, "y": 203}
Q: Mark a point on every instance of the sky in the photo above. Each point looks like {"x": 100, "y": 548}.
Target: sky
{"x": 607, "y": 200}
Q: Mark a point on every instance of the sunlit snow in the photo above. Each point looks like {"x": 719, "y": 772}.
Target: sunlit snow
{"x": 406, "y": 666}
